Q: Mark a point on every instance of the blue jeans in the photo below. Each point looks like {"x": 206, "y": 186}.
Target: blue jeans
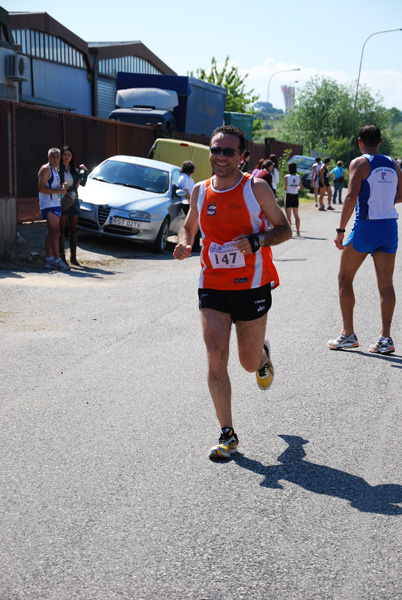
{"x": 338, "y": 187}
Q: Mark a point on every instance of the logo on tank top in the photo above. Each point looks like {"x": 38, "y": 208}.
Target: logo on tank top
{"x": 241, "y": 280}
{"x": 211, "y": 210}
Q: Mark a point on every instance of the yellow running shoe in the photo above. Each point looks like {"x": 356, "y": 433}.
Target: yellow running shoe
{"x": 227, "y": 445}
{"x": 265, "y": 375}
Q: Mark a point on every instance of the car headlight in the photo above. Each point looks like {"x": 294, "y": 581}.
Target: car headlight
{"x": 139, "y": 214}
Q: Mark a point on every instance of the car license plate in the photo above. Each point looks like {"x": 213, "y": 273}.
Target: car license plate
{"x": 126, "y": 223}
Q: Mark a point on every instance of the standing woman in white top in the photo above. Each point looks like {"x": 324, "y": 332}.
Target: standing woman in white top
{"x": 292, "y": 186}
{"x": 275, "y": 173}
{"x": 186, "y": 183}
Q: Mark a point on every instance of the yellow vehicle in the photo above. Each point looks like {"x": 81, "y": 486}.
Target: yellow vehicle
{"x": 176, "y": 152}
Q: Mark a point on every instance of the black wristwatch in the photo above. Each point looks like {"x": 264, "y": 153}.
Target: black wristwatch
{"x": 254, "y": 243}
{"x": 340, "y": 230}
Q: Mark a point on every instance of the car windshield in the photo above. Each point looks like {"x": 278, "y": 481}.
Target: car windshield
{"x": 303, "y": 162}
{"x": 127, "y": 174}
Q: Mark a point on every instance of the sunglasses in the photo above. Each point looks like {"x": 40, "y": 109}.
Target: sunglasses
{"x": 225, "y": 151}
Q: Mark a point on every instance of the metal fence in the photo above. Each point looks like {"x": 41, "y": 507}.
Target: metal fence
{"x": 27, "y": 132}
{"x": 34, "y": 130}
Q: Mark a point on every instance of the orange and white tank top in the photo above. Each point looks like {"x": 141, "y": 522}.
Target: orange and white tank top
{"x": 224, "y": 215}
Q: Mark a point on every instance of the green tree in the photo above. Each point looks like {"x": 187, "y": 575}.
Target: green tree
{"x": 323, "y": 116}
{"x": 395, "y": 116}
{"x": 338, "y": 148}
{"x": 237, "y": 98}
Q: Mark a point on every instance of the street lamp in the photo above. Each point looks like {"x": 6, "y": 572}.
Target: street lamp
{"x": 269, "y": 83}
{"x": 358, "y": 81}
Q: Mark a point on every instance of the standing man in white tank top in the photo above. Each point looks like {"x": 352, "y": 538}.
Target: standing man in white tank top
{"x": 50, "y": 191}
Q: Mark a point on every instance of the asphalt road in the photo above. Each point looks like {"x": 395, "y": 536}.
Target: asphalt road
{"x": 106, "y": 489}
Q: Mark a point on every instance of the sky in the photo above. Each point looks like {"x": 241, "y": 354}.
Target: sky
{"x": 322, "y": 39}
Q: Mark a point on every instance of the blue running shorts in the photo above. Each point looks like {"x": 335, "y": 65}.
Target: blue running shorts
{"x": 53, "y": 209}
{"x": 378, "y": 235}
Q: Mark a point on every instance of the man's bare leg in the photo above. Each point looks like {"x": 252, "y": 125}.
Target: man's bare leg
{"x": 250, "y": 341}
{"x": 289, "y": 215}
{"x": 351, "y": 260}
{"x": 384, "y": 264}
{"x": 322, "y": 194}
{"x": 52, "y": 235}
{"x": 216, "y": 328}
{"x": 297, "y": 219}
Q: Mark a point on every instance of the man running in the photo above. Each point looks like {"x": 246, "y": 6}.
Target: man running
{"x": 239, "y": 220}
{"x": 375, "y": 185}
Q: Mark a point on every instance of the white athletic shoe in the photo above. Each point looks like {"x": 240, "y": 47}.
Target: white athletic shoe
{"x": 60, "y": 265}
{"x": 343, "y": 342}
{"x": 383, "y": 346}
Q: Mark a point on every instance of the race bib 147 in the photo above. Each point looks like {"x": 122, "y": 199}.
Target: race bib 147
{"x": 226, "y": 256}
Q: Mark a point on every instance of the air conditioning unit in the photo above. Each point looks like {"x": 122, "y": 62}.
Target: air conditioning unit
{"x": 17, "y": 67}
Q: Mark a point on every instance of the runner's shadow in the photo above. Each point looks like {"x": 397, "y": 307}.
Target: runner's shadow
{"x": 391, "y": 358}
{"x": 379, "y": 499}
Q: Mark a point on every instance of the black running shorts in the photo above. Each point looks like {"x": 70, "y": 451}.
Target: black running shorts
{"x": 241, "y": 305}
{"x": 292, "y": 201}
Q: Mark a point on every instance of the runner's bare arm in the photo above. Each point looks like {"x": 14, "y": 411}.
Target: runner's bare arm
{"x": 280, "y": 231}
{"x": 186, "y": 235}
{"x": 44, "y": 174}
{"x": 399, "y": 189}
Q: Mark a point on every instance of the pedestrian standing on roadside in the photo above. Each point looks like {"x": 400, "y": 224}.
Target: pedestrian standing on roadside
{"x": 275, "y": 173}
{"x": 50, "y": 190}
{"x": 186, "y": 183}
{"x": 293, "y": 185}
{"x": 324, "y": 184}
{"x": 244, "y": 165}
{"x": 258, "y": 167}
{"x": 74, "y": 177}
{"x": 233, "y": 210}
{"x": 315, "y": 178}
{"x": 339, "y": 179}
{"x": 266, "y": 172}
{"x": 375, "y": 186}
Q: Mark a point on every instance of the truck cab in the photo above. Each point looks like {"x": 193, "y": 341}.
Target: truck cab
{"x": 146, "y": 106}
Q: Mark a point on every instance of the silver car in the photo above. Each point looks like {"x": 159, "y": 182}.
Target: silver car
{"x": 133, "y": 198}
